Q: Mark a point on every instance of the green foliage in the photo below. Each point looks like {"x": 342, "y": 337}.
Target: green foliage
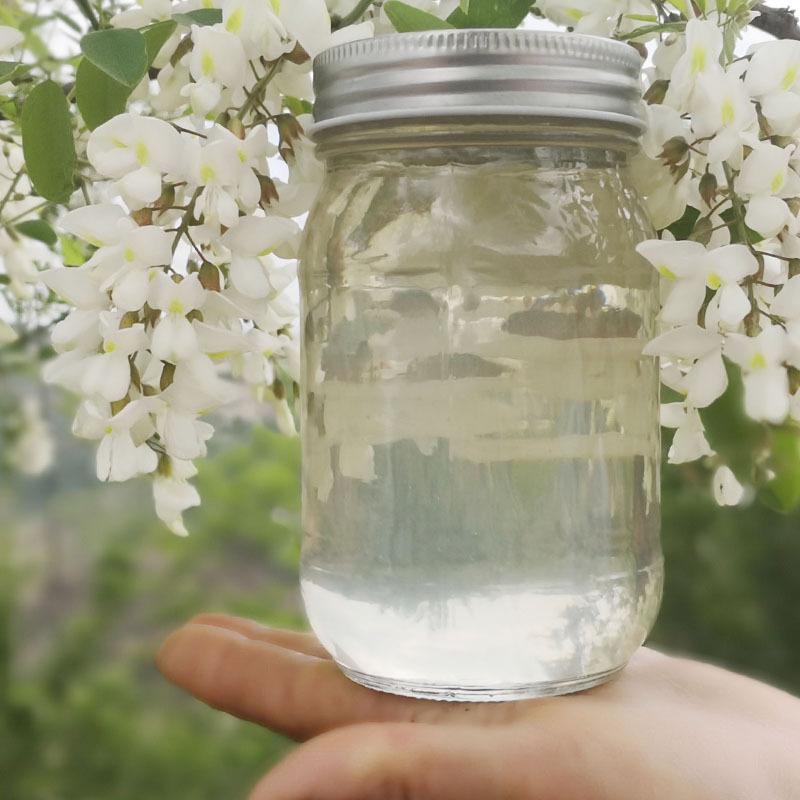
{"x": 730, "y": 432}
{"x": 37, "y": 229}
{"x": 98, "y": 95}
{"x": 470, "y": 14}
{"x": 8, "y": 69}
{"x": 202, "y": 16}
{"x": 71, "y": 252}
{"x": 730, "y": 577}
{"x": 155, "y": 37}
{"x": 782, "y": 492}
{"x": 120, "y": 52}
{"x": 88, "y": 716}
{"x": 490, "y": 14}
{"x": 406, "y": 18}
{"x": 47, "y": 142}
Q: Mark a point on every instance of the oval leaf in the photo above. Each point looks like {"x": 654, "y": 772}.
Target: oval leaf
{"x": 155, "y": 37}
{"x": 98, "y": 95}
{"x": 120, "y": 53}
{"x": 37, "y": 229}
{"x": 7, "y": 69}
{"x": 406, "y": 18}
{"x": 491, "y": 14}
{"x": 47, "y": 142}
{"x": 202, "y": 16}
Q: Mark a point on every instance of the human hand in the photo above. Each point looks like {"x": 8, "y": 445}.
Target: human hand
{"x": 665, "y": 729}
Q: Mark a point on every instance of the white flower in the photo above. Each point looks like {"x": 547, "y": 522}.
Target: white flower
{"x": 217, "y": 62}
{"x": 108, "y": 374}
{"x": 183, "y": 434}
{"x": 75, "y": 285}
{"x": 693, "y": 268}
{"x": 100, "y": 224}
{"x": 125, "y": 251}
{"x": 122, "y": 453}
{"x": 766, "y": 171}
{"x": 727, "y": 490}
{"x": 689, "y": 442}
{"x": 197, "y": 387}
{"x": 721, "y": 108}
{"x": 250, "y": 242}
{"x": 174, "y": 338}
{"x": 255, "y": 23}
{"x": 138, "y": 151}
{"x": 698, "y": 352}
{"x": 703, "y": 49}
{"x": 224, "y": 167}
{"x": 80, "y": 330}
{"x": 787, "y": 305}
{"x": 20, "y": 267}
{"x": 774, "y": 67}
{"x": 308, "y": 22}
{"x": 665, "y": 200}
{"x": 769, "y": 215}
{"x": 766, "y": 381}
{"x": 173, "y": 494}
{"x": 9, "y": 37}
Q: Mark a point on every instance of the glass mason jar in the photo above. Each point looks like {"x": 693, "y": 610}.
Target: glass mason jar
{"x": 480, "y": 426}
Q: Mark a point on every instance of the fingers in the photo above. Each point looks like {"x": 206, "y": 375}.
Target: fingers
{"x": 288, "y": 691}
{"x": 420, "y": 762}
{"x": 293, "y": 640}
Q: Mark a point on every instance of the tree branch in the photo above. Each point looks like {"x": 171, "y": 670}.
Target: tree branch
{"x": 781, "y": 23}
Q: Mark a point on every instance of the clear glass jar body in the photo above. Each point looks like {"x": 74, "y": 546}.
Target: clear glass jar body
{"x": 480, "y": 428}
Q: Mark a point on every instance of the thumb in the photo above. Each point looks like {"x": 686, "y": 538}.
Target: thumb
{"x": 417, "y": 761}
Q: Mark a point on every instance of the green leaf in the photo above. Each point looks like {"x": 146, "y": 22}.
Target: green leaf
{"x": 297, "y": 106}
{"x": 98, "y": 95}
{"x": 120, "y": 53}
{"x": 782, "y": 493}
{"x": 682, "y": 229}
{"x": 406, "y": 18}
{"x": 734, "y": 435}
{"x": 71, "y": 252}
{"x": 642, "y": 17}
{"x": 7, "y": 69}
{"x": 491, "y": 14}
{"x": 729, "y": 218}
{"x": 646, "y": 30}
{"x": 47, "y": 142}
{"x": 155, "y": 37}
{"x": 37, "y": 229}
{"x": 202, "y": 16}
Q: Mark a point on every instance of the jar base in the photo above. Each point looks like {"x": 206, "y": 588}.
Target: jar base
{"x": 474, "y": 694}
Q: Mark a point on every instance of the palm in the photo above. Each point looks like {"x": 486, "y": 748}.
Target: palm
{"x": 666, "y": 728}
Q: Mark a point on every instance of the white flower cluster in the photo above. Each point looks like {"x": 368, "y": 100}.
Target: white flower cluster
{"x": 719, "y": 173}
{"x": 186, "y": 221}
{"x": 192, "y": 272}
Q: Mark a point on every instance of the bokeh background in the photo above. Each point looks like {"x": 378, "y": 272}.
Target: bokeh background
{"x": 90, "y": 583}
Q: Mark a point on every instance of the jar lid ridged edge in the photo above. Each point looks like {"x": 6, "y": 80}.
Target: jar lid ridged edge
{"x": 510, "y": 41}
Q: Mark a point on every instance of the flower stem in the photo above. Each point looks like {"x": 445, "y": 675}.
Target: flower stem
{"x": 354, "y": 16}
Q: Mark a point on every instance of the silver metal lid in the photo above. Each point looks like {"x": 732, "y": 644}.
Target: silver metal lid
{"x": 472, "y": 73}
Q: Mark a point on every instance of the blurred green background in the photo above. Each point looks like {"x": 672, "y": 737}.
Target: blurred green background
{"x": 90, "y": 583}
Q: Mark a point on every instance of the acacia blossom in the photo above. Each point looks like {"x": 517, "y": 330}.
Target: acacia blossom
{"x": 187, "y": 224}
